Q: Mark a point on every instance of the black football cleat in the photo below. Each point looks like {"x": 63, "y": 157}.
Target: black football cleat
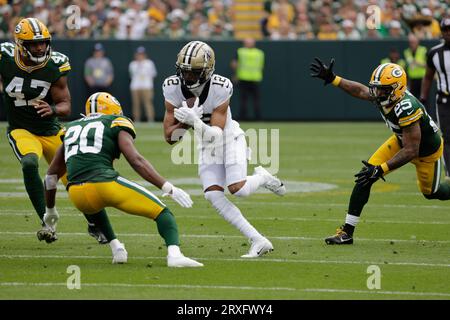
{"x": 341, "y": 237}
{"x": 97, "y": 234}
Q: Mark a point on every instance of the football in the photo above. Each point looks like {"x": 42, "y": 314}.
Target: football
{"x": 190, "y": 102}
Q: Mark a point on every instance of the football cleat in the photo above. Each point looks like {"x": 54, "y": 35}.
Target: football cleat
{"x": 48, "y": 234}
{"x": 273, "y": 183}
{"x": 258, "y": 248}
{"x": 96, "y": 233}
{"x": 341, "y": 237}
{"x": 182, "y": 262}
{"x": 120, "y": 255}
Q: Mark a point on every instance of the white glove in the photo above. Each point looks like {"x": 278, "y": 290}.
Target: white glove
{"x": 188, "y": 115}
{"x": 177, "y": 194}
{"x": 51, "y": 218}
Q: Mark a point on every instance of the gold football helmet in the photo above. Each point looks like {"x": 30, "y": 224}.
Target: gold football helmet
{"x": 388, "y": 84}
{"x": 31, "y": 30}
{"x": 195, "y": 64}
{"x": 103, "y": 102}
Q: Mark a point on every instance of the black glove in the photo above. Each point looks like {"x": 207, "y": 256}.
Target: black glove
{"x": 369, "y": 174}
{"x": 320, "y": 70}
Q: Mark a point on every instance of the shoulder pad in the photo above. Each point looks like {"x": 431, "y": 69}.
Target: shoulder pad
{"x": 7, "y": 49}
{"x": 172, "y": 81}
{"x": 61, "y": 61}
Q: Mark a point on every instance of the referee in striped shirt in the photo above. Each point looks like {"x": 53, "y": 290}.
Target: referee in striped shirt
{"x": 438, "y": 61}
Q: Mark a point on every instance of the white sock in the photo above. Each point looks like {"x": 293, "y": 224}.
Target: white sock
{"x": 351, "y": 220}
{"x": 115, "y": 244}
{"x": 251, "y": 185}
{"x": 232, "y": 214}
{"x": 174, "y": 251}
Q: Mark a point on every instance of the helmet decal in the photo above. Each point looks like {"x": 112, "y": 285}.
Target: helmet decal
{"x": 397, "y": 72}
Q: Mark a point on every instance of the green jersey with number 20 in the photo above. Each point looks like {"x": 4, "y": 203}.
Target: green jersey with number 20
{"x": 91, "y": 145}
{"x": 408, "y": 111}
{"x": 23, "y": 87}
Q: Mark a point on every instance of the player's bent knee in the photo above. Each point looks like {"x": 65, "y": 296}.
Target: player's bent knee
{"x": 30, "y": 162}
{"x": 214, "y": 188}
{"x": 235, "y": 187}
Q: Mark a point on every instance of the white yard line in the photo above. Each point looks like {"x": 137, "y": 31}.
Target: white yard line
{"x": 76, "y": 234}
{"x": 265, "y": 259}
{"x": 22, "y": 213}
{"x": 224, "y": 287}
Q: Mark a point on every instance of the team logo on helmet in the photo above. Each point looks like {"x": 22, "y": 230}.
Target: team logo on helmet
{"x": 397, "y": 72}
{"x": 18, "y": 28}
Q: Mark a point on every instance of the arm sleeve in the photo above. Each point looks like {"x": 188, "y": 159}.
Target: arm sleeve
{"x": 405, "y": 119}
{"x": 123, "y": 123}
{"x": 224, "y": 93}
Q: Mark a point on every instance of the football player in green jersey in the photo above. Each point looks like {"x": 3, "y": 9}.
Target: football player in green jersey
{"x": 89, "y": 148}
{"x": 36, "y": 93}
{"x": 416, "y": 139}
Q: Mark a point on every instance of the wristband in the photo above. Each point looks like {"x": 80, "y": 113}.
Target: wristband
{"x": 167, "y": 187}
{"x": 336, "y": 81}
{"x": 385, "y": 167}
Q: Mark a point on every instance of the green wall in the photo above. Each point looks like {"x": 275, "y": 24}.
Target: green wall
{"x": 288, "y": 92}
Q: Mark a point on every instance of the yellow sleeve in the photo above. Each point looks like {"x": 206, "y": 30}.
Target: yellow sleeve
{"x": 408, "y": 120}
{"x": 124, "y": 124}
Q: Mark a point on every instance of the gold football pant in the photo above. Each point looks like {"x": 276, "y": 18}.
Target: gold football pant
{"x": 122, "y": 194}
{"x": 428, "y": 168}
{"x": 24, "y": 142}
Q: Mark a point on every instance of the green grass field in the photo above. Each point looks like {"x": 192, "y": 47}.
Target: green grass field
{"x": 405, "y": 235}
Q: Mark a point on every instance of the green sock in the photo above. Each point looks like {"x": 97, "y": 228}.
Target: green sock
{"x": 167, "y": 227}
{"x": 101, "y": 221}
{"x": 33, "y": 183}
{"x": 442, "y": 193}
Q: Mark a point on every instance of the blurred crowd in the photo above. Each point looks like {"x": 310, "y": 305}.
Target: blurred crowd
{"x": 353, "y": 19}
{"x": 213, "y": 19}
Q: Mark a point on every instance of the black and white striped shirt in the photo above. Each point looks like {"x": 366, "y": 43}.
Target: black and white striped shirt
{"x": 438, "y": 59}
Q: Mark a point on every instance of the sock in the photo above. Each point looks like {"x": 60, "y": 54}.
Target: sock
{"x": 101, "y": 221}
{"x": 115, "y": 244}
{"x": 232, "y": 214}
{"x": 167, "y": 227}
{"x": 174, "y": 251}
{"x": 251, "y": 185}
{"x": 442, "y": 193}
{"x": 350, "y": 223}
{"x": 33, "y": 183}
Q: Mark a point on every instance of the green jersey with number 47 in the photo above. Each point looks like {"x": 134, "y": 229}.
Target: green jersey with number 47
{"x": 23, "y": 85}
{"x": 91, "y": 145}
{"x": 408, "y": 111}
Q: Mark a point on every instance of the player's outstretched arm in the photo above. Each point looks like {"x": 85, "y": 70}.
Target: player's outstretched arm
{"x": 137, "y": 161}
{"x": 324, "y": 72}
{"x": 146, "y": 171}
{"x": 170, "y": 125}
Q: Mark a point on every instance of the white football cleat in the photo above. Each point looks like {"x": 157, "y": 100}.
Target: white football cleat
{"x": 258, "y": 248}
{"x": 120, "y": 255}
{"x": 273, "y": 183}
{"x": 182, "y": 262}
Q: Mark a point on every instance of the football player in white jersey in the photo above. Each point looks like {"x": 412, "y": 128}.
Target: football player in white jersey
{"x": 222, "y": 151}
